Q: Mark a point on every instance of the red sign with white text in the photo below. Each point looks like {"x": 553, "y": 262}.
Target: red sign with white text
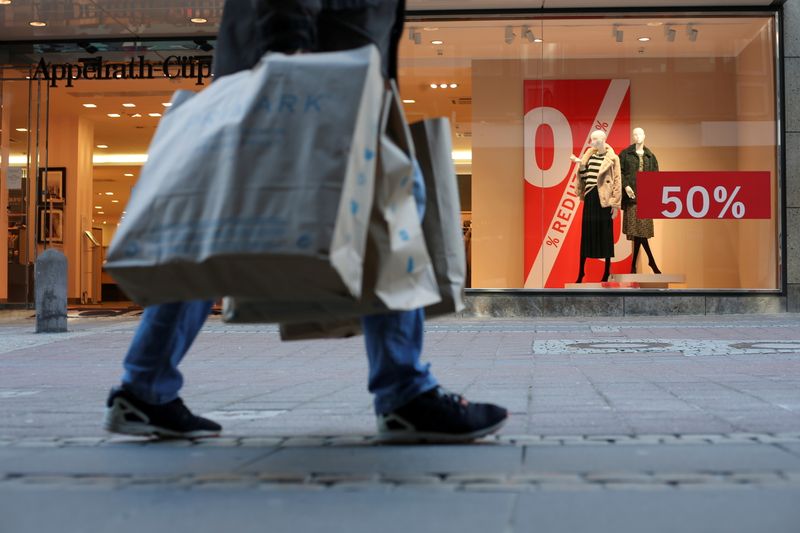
{"x": 560, "y": 116}
{"x": 704, "y": 195}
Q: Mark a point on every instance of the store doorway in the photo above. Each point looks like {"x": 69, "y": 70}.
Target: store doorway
{"x": 24, "y": 135}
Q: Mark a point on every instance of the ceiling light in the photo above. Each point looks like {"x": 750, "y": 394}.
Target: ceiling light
{"x": 114, "y": 201}
{"x": 101, "y": 213}
{"x": 617, "y": 33}
{"x": 409, "y": 101}
{"x": 443, "y": 86}
{"x": 430, "y": 28}
{"x": 528, "y": 34}
{"x": 509, "y": 34}
{"x": 22, "y": 130}
{"x": 437, "y": 41}
{"x": 104, "y": 222}
{"x": 453, "y": 85}
{"x": 109, "y": 193}
{"x": 5, "y": 2}
{"x": 154, "y": 114}
{"x": 644, "y": 39}
{"x": 198, "y": 20}
{"x": 167, "y": 104}
{"x": 37, "y": 24}
{"x": 98, "y": 207}
{"x": 434, "y": 86}
{"x": 128, "y": 175}
{"x": 691, "y": 32}
{"x": 114, "y": 115}
{"x": 129, "y": 105}
{"x": 136, "y": 115}
{"x": 655, "y": 24}
{"x": 538, "y": 40}
{"x": 102, "y": 146}
{"x": 90, "y": 106}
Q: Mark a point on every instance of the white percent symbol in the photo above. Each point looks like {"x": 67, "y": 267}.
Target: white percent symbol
{"x": 721, "y": 196}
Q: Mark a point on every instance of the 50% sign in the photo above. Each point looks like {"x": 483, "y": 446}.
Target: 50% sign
{"x": 704, "y": 195}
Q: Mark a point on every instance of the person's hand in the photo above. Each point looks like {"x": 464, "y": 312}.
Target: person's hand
{"x": 614, "y": 212}
{"x": 574, "y": 158}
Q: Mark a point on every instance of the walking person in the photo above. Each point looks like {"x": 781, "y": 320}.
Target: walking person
{"x": 410, "y": 405}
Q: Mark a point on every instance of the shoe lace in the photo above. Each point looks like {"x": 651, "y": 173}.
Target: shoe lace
{"x": 457, "y": 400}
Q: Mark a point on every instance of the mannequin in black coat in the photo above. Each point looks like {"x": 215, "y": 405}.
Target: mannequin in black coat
{"x": 635, "y": 158}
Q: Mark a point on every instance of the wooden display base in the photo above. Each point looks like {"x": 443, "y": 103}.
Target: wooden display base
{"x": 601, "y": 285}
{"x": 649, "y": 281}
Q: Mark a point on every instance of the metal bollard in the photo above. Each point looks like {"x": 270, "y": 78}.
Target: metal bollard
{"x": 50, "y": 281}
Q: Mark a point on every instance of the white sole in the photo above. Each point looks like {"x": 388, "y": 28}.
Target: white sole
{"x": 420, "y": 437}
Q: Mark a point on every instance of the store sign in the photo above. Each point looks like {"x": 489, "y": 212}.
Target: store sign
{"x": 704, "y": 195}
{"x": 197, "y": 68}
{"x": 560, "y": 116}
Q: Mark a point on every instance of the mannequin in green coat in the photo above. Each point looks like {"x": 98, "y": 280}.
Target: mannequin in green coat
{"x": 634, "y": 159}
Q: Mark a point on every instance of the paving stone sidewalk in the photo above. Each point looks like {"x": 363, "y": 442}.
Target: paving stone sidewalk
{"x": 639, "y": 424}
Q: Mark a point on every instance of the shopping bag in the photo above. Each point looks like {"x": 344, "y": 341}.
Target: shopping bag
{"x": 441, "y": 228}
{"x": 261, "y": 184}
{"x": 442, "y": 223}
{"x": 398, "y": 273}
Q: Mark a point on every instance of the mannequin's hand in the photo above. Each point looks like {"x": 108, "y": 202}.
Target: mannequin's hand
{"x": 614, "y": 213}
{"x": 574, "y": 158}
{"x": 630, "y": 193}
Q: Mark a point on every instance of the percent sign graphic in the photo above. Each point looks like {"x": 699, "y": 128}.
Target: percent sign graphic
{"x": 722, "y": 197}
{"x": 552, "y": 241}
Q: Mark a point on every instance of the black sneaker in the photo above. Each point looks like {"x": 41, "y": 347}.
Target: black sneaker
{"x": 128, "y": 415}
{"x": 440, "y": 416}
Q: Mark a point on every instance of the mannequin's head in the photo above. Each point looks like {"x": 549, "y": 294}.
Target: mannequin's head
{"x": 598, "y": 140}
{"x": 638, "y": 135}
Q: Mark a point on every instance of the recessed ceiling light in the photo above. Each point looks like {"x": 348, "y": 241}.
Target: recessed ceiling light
{"x": 453, "y": 85}
{"x": 167, "y": 104}
{"x": 102, "y": 146}
{"x": 114, "y": 201}
{"x": 538, "y": 40}
{"x": 90, "y": 106}
{"x": 655, "y": 24}
{"x": 434, "y": 86}
{"x": 22, "y": 130}
{"x": 128, "y": 105}
{"x": 443, "y": 86}
{"x": 5, "y": 2}
{"x": 136, "y": 115}
{"x": 154, "y": 114}
{"x": 102, "y": 213}
{"x": 109, "y": 194}
{"x": 114, "y": 115}
{"x": 409, "y": 101}
{"x": 128, "y": 174}
{"x": 198, "y": 20}
{"x": 644, "y": 39}
{"x": 437, "y": 41}
{"x": 98, "y": 207}
{"x": 37, "y": 24}
{"x": 104, "y": 222}
{"x": 99, "y": 194}
{"x": 430, "y": 28}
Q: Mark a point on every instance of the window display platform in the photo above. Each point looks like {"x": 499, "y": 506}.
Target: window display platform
{"x": 649, "y": 281}
{"x": 631, "y": 281}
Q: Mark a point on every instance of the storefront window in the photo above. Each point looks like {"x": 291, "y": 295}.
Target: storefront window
{"x": 525, "y": 95}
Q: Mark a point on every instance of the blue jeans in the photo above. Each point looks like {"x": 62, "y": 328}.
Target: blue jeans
{"x": 393, "y": 340}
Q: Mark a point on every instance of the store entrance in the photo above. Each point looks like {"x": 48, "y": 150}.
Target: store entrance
{"x": 24, "y": 143}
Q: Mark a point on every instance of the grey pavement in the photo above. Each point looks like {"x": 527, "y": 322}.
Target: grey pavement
{"x": 625, "y": 425}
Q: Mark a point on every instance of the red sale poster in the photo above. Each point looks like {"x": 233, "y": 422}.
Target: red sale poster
{"x": 560, "y": 116}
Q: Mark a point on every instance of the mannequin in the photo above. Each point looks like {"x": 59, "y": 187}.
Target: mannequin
{"x": 599, "y": 186}
{"x": 634, "y": 159}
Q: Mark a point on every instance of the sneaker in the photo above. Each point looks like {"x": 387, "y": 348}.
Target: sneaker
{"x": 128, "y": 415}
{"x": 440, "y": 416}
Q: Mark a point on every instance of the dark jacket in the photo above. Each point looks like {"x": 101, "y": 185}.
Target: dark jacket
{"x": 629, "y": 162}
{"x": 249, "y": 28}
